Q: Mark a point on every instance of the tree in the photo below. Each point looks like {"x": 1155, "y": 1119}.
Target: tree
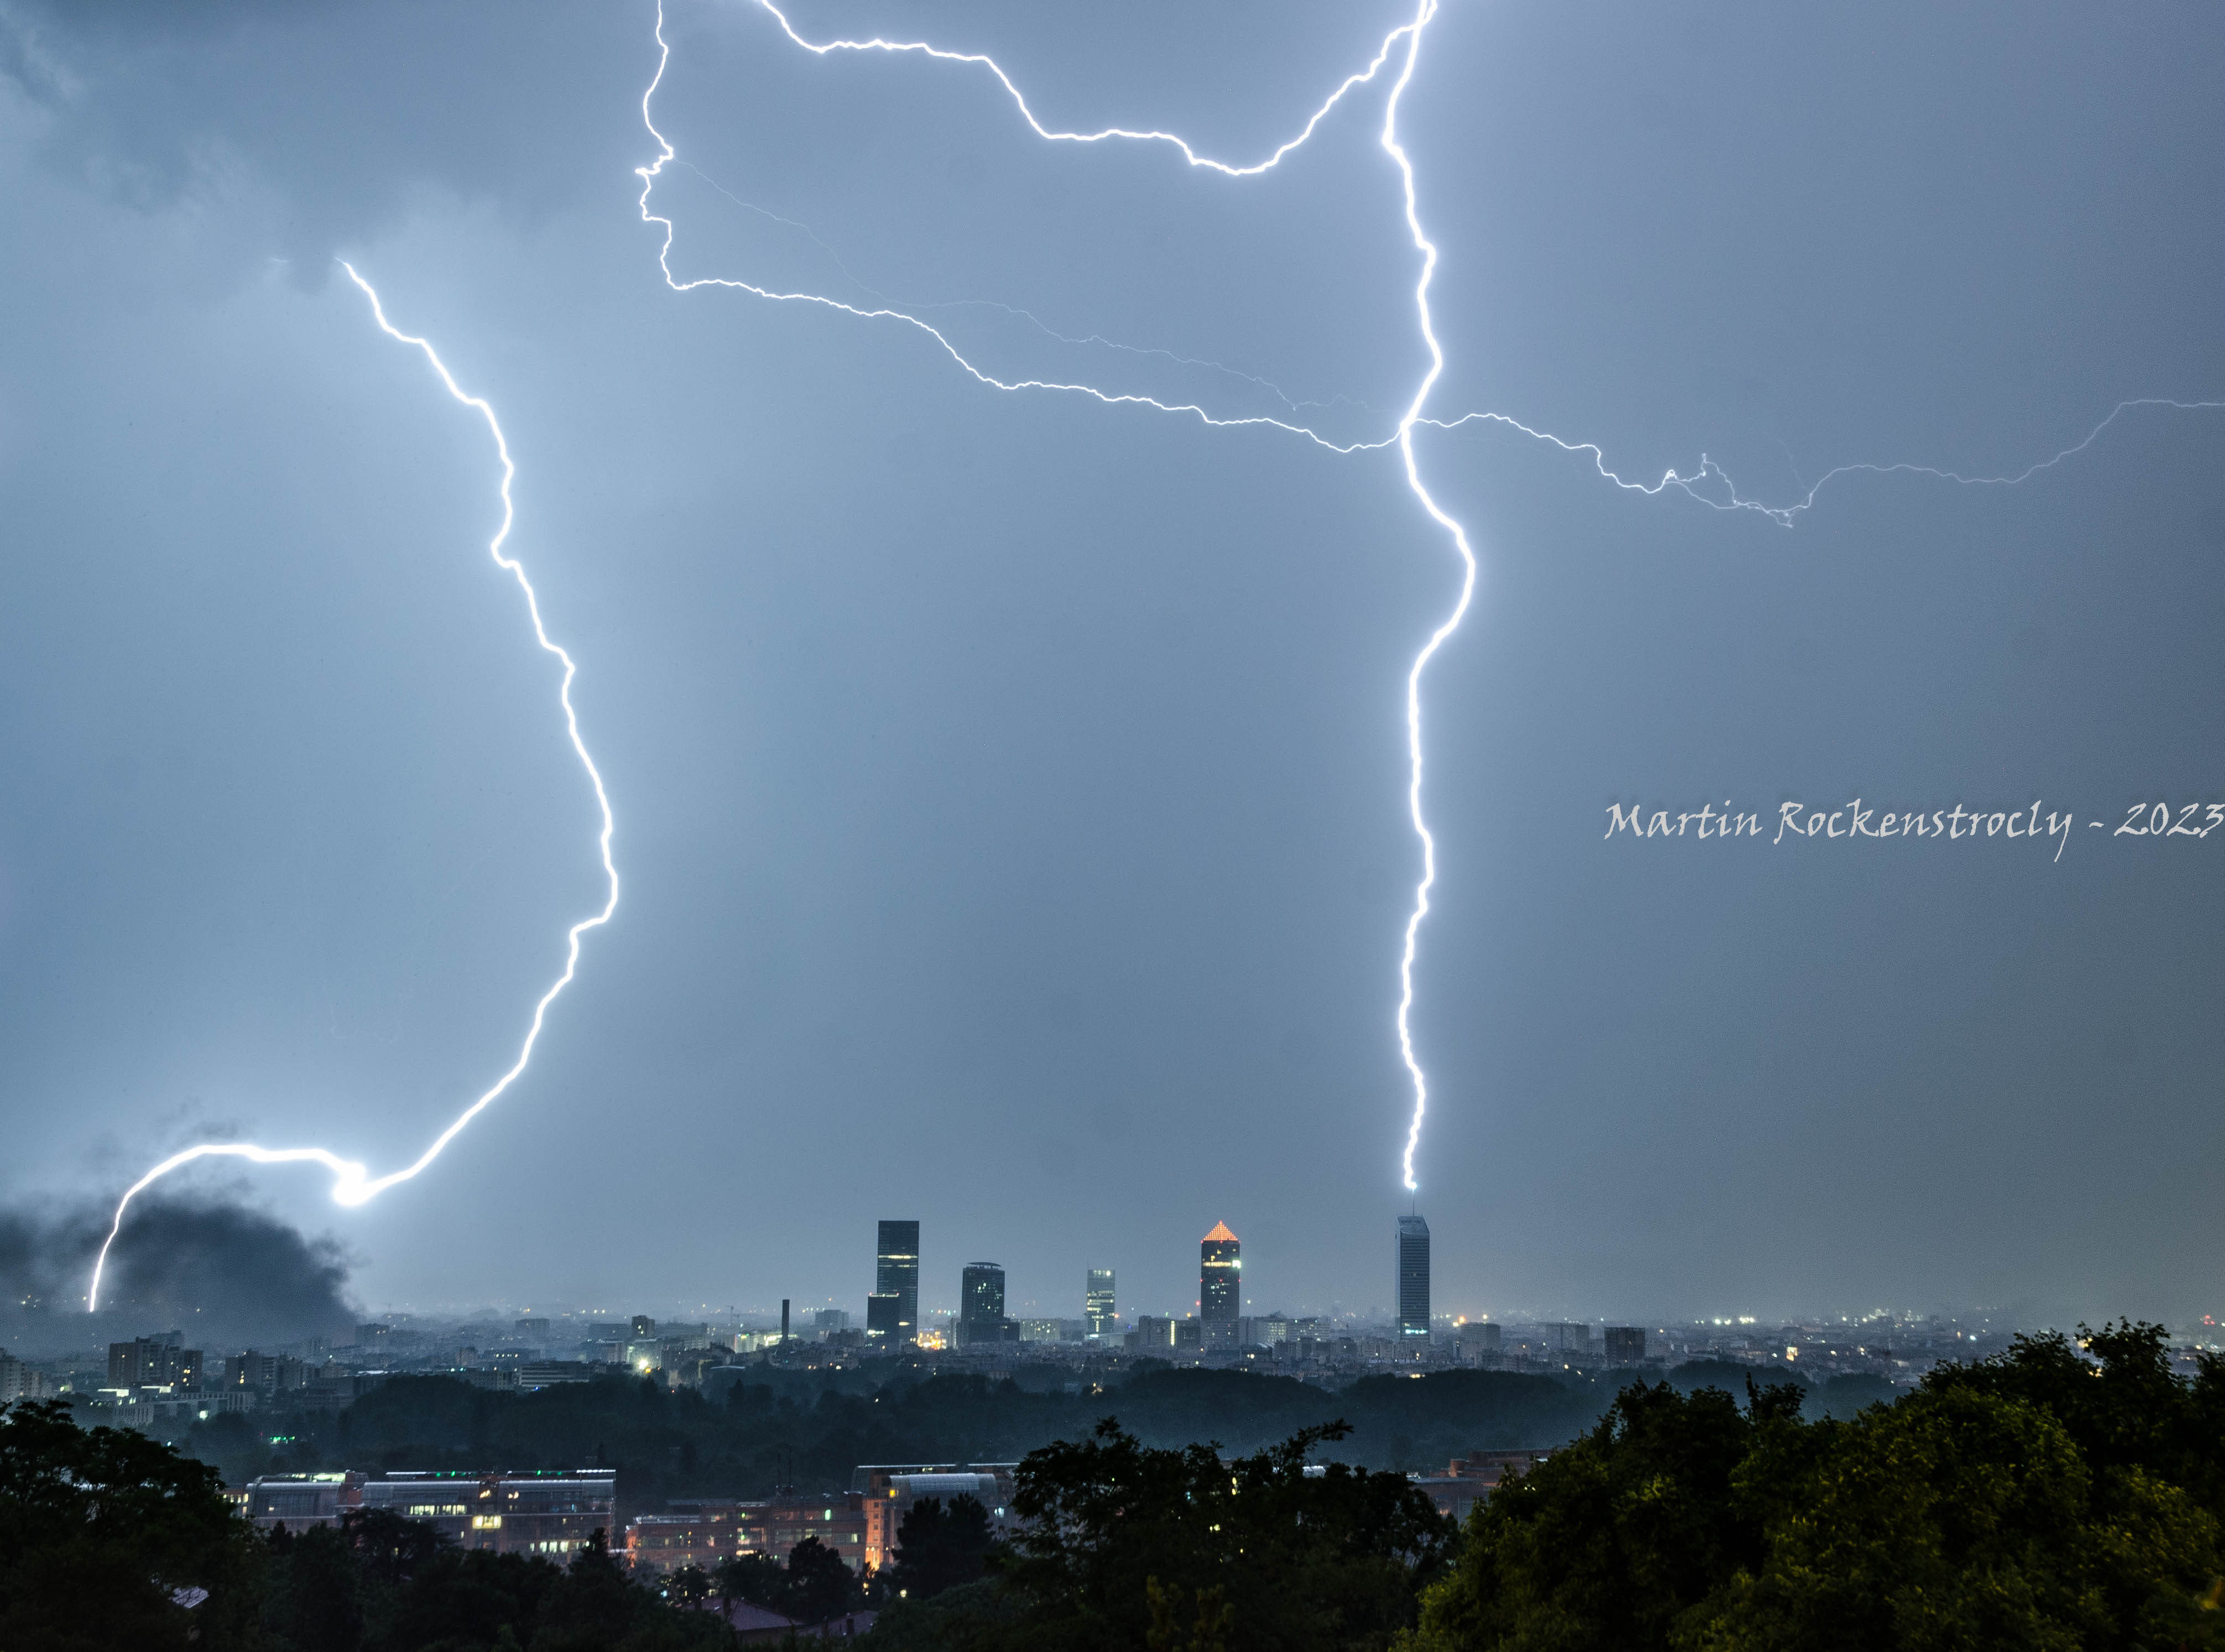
{"x": 1953, "y": 1519}
{"x": 819, "y": 1585}
{"x": 2025, "y": 1502}
{"x": 1263, "y": 1553}
{"x": 939, "y": 1549}
{"x": 314, "y": 1600}
{"x": 1611, "y": 1541}
{"x": 393, "y": 1547}
{"x": 104, "y": 1533}
{"x": 757, "y": 1579}
{"x": 464, "y": 1600}
{"x": 688, "y": 1586}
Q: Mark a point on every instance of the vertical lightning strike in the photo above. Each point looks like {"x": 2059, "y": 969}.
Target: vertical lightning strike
{"x": 1437, "y": 638}
{"x": 351, "y": 1183}
{"x": 1411, "y": 33}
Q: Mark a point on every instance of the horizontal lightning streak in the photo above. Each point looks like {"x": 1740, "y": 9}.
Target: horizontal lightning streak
{"x": 351, "y": 1183}
{"x": 1710, "y": 472}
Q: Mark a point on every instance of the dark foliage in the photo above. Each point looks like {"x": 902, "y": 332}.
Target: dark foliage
{"x": 757, "y": 1579}
{"x": 1129, "y": 1545}
{"x": 101, "y": 1528}
{"x": 939, "y": 1549}
{"x": 811, "y": 1428}
{"x": 109, "y": 1539}
{"x": 813, "y": 1586}
{"x": 2061, "y": 1495}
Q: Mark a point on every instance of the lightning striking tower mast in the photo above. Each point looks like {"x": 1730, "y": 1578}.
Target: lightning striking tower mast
{"x": 1401, "y": 45}
{"x": 353, "y": 1183}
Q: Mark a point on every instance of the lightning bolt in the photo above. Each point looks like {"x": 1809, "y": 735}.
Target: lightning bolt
{"x": 353, "y": 1183}
{"x": 1402, "y": 438}
{"x": 1709, "y": 485}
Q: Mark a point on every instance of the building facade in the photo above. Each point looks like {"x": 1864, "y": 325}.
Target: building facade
{"x": 1413, "y": 1278}
{"x": 892, "y": 1311}
{"x": 1219, "y": 1286}
{"x": 1100, "y": 1316}
{"x": 153, "y": 1362}
{"x": 981, "y": 1306}
{"x": 837, "y": 1519}
{"x": 1625, "y": 1345}
{"x": 892, "y": 1490}
{"x": 550, "y": 1514}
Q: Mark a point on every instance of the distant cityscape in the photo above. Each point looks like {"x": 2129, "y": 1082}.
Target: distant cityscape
{"x": 158, "y": 1383}
{"x": 157, "y": 1377}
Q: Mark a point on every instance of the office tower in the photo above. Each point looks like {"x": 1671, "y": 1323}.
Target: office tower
{"x": 1413, "y": 1278}
{"x": 1625, "y": 1345}
{"x": 896, "y": 1280}
{"x": 643, "y": 1325}
{"x": 1099, "y": 1316}
{"x": 884, "y": 1311}
{"x": 981, "y": 1293}
{"x": 1219, "y": 1286}
{"x": 153, "y": 1362}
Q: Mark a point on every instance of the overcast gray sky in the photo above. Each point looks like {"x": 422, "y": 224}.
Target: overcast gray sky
{"x": 1010, "y": 787}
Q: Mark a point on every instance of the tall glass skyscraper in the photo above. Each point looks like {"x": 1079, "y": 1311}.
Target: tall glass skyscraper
{"x": 1098, "y": 1313}
{"x": 1219, "y": 1286}
{"x": 1413, "y": 1277}
{"x": 981, "y": 1307}
{"x": 892, "y": 1311}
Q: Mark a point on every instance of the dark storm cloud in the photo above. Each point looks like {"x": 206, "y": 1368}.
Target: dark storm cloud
{"x": 337, "y": 115}
{"x": 226, "y": 1273}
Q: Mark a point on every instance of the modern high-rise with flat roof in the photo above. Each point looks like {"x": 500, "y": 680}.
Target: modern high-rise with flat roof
{"x": 892, "y": 1311}
{"x": 1413, "y": 1277}
{"x": 981, "y": 1293}
{"x": 1219, "y": 1286}
{"x": 1098, "y": 1313}
{"x": 981, "y": 1306}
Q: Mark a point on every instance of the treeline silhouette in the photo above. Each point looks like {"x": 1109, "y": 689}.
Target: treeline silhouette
{"x": 807, "y": 1430}
{"x": 2069, "y": 1493}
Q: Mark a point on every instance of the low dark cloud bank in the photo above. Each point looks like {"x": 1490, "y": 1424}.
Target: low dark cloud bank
{"x": 226, "y": 1275}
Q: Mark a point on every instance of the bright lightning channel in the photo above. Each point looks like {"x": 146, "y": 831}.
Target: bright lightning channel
{"x": 1402, "y": 438}
{"x": 1709, "y": 485}
{"x": 351, "y": 1183}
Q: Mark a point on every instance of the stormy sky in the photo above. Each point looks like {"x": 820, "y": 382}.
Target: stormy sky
{"x": 1009, "y": 788}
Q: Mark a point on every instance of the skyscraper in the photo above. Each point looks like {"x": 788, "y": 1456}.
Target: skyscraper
{"x": 1219, "y": 1286}
{"x": 981, "y": 1306}
{"x": 892, "y": 1311}
{"x": 981, "y": 1292}
{"x": 1098, "y": 1313}
{"x": 1413, "y": 1277}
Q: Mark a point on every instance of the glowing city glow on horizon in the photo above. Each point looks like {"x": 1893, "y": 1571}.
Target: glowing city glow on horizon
{"x": 353, "y": 1183}
{"x": 1709, "y": 485}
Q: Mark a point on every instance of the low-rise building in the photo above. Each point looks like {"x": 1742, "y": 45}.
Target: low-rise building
{"x": 837, "y": 1519}
{"x": 888, "y": 1490}
{"x": 702, "y": 1534}
{"x": 1469, "y": 1480}
{"x": 551, "y": 1513}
